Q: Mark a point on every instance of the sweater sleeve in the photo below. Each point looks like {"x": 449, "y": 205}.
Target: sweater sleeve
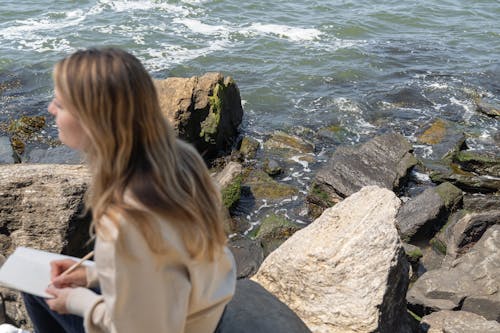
{"x": 138, "y": 294}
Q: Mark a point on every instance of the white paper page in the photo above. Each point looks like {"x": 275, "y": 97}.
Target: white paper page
{"x": 28, "y": 270}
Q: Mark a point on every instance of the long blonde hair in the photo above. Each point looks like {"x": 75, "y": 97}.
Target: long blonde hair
{"x": 133, "y": 149}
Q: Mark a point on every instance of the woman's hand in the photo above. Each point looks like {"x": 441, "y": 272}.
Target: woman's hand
{"x": 58, "y": 303}
{"x": 77, "y": 278}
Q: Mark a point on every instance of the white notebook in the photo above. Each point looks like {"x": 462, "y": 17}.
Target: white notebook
{"x": 28, "y": 270}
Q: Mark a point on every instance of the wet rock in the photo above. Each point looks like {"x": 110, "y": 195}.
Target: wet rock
{"x": 467, "y": 181}
{"x": 457, "y": 322}
{"x": 205, "y": 110}
{"x": 249, "y": 147}
{"x": 481, "y": 163}
{"x": 346, "y": 271}
{"x": 412, "y": 252}
{"x": 383, "y": 161}
{"x": 6, "y": 152}
{"x": 55, "y": 155}
{"x": 444, "y": 137}
{"x": 489, "y": 109}
{"x": 481, "y": 202}
{"x": 282, "y": 141}
{"x": 425, "y": 214}
{"x": 248, "y": 254}
{"x": 334, "y": 133}
{"x": 472, "y": 171}
{"x": 408, "y": 97}
{"x": 470, "y": 284}
{"x": 273, "y": 231}
{"x": 264, "y": 187}
{"x": 272, "y": 167}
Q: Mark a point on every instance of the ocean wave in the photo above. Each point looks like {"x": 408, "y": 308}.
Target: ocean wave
{"x": 167, "y": 55}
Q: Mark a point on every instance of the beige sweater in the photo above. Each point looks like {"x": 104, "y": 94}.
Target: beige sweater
{"x": 173, "y": 294}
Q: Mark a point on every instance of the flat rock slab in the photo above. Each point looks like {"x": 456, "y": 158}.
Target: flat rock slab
{"x": 457, "y": 322}
{"x": 383, "y": 161}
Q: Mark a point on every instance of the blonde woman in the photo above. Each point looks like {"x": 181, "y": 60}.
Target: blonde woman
{"x": 160, "y": 257}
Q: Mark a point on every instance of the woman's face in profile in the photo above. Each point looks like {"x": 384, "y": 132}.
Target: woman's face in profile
{"x": 71, "y": 132}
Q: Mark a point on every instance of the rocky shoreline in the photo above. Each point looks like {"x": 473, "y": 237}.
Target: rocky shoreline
{"x": 381, "y": 254}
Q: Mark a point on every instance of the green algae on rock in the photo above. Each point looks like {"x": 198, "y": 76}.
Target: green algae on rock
{"x": 210, "y": 125}
{"x": 273, "y": 231}
{"x": 231, "y": 193}
{"x": 264, "y": 187}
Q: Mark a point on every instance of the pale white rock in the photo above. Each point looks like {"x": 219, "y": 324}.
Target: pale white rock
{"x": 346, "y": 271}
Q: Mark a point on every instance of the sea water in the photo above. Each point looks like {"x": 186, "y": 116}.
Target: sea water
{"x": 363, "y": 66}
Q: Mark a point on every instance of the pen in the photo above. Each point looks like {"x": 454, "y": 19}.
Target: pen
{"x": 76, "y": 264}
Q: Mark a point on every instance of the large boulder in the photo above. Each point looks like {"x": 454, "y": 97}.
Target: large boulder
{"x": 41, "y": 207}
{"x": 346, "y": 271}
{"x": 470, "y": 284}
{"x": 383, "y": 161}
{"x": 204, "y": 110}
{"x": 457, "y": 322}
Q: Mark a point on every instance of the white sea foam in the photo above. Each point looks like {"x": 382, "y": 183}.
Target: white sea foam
{"x": 142, "y": 5}
{"x": 197, "y": 26}
{"x": 283, "y": 31}
{"x": 166, "y": 55}
{"x": 305, "y": 164}
{"x": 437, "y": 85}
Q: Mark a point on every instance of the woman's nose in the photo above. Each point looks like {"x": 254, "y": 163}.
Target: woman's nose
{"x": 52, "y": 108}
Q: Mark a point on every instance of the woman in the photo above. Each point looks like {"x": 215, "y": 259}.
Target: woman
{"x": 160, "y": 257}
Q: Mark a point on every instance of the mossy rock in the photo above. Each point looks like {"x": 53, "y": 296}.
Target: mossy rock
{"x": 335, "y": 133}
{"x": 319, "y": 198}
{"x": 283, "y": 141}
{"x": 438, "y": 245}
{"x": 232, "y": 192}
{"x": 264, "y": 187}
{"x": 451, "y": 195}
{"x": 272, "y": 167}
{"x": 210, "y": 125}
{"x": 413, "y": 253}
{"x": 435, "y": 133}
{"x": 478, "y": 162}
{"x": 22, "y": 129}
{"x": 249, "y": 147}
{"x": 273, "y": 231}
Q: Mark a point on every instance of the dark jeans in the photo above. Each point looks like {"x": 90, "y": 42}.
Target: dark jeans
{"x": 47, "y": 321}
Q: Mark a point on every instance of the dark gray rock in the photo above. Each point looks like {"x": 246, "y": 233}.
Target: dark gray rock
{"x": 248, "y": 255}
{"x": 425, "y": 214}
{"x": 6, "y": 152}
{"x": 384, "y": 161}
{"x": 55, "y": 155}
{"x": 255, "y": 310}
{"x": 272, "y": 167}
{"x": 457, "y": 322}
{"x": 471, "y": 283}
{"x": 462, "y": 233}
{"x": 481, "y": 202}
